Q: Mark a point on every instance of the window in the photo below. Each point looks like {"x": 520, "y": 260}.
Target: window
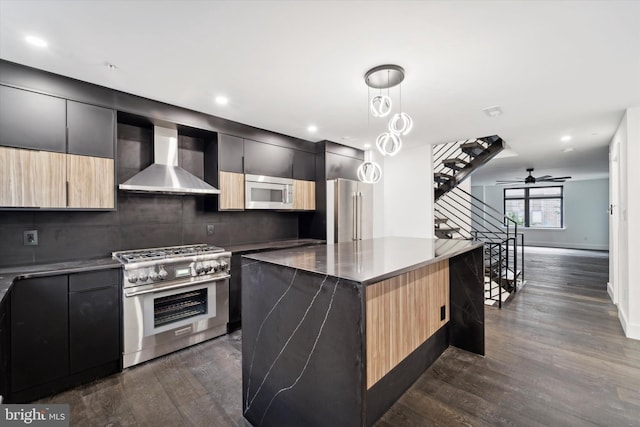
{"x": 535, "y": 207}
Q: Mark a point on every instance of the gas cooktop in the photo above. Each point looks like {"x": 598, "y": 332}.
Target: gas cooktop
{"x": 165, "y": 253}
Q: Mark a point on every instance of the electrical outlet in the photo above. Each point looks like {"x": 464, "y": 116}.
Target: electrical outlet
{"x": 30, "y": 237}
{"x": 209, "y": 229}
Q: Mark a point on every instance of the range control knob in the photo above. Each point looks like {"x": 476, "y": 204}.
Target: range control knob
{"x": 199, "y": 268}
{"x": 144, "y": 276}
{"x": 162, "y": 273}
{"x": 224, "y": 265}
{"x": 154, "y": 275}
{"x": 207, "y": 267}
{"x": 215, "y": 265}
{"x": 133, "y": 278}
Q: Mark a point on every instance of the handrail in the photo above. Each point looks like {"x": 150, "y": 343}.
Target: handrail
{"x": 489, "y": 206}
{"x": 453, "y": 193}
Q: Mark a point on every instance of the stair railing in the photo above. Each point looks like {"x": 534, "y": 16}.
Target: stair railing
{"x": 477, "y": 220}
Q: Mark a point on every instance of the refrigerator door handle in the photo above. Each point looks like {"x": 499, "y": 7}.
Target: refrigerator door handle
{"x": 355, "y": 215}
{"x": 359, "y": 215}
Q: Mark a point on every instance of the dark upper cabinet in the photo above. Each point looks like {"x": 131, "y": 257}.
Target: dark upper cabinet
{"x": 230, "y": 153}
{"x": 338, "y": 166}
{"x": 39, "y": 331}
{"x": 304, "y": 165}
{"x": 91, "y": 130}
{"x": 32, "y": 120}
{"x": 267, "y": 159}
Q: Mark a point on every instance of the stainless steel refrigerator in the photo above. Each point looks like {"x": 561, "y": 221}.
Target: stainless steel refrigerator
{"x": 349, "y": 210}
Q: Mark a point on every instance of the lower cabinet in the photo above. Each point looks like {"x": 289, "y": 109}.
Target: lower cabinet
{"x": 65, "y": 330}
{"x": 39, "y": 332}
{"x": 304, "y": 195}
{"x": 94, "y": 319}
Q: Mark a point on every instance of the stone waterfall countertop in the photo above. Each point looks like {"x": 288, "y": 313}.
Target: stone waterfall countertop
{"x": 368, "y": 261}
{"x": 9, "y": 274}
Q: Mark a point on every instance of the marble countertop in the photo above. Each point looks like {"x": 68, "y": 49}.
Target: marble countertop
{"x": 368, "y": 261}
{"x": 9, "y": 274}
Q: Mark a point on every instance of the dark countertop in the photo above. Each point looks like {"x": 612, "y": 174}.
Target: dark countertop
{"x": 368, "y": 261}
{"x": 9, "y": 274}
{"x": 278, "y": 244}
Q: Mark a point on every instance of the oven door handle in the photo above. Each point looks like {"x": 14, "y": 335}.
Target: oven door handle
{"x": 176, "y": 286}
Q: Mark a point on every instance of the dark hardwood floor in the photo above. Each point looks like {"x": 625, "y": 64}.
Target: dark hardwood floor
{"x": 555, "y": 356}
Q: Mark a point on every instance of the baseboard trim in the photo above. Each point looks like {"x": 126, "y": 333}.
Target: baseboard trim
{"x": 568, "y": 245}
{"x": 630, "y": 330}
{"x": 610, "y": 292}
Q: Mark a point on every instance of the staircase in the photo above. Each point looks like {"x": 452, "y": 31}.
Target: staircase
{"x": 458, "y": 214}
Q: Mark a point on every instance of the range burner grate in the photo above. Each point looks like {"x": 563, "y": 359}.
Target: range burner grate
{"x": 164, "y": 253}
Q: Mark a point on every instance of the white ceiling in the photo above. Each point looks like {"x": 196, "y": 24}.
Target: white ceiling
{"x": 554, "y": 67}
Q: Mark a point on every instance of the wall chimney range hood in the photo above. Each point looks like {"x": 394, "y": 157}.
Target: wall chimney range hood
{"x": 164, "y": 175}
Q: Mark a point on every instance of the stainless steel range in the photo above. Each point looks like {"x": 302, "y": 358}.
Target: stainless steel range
{"x": 173, "y": 297}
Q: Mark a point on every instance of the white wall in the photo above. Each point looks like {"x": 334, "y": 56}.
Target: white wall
{"x": 378, "y": 198}
{"x": 627, "y": 251}
{"x": 585, "y": 216}
{"x": 408, "y": 193}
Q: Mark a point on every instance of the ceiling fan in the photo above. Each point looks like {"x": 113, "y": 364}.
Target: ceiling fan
{"x": 532, "y": 179}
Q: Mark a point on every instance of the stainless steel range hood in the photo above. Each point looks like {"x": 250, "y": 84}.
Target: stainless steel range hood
{"x": 164, "y": 175}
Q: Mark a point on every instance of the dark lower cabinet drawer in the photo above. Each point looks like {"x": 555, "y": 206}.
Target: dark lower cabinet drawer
{"x": 93, "y": 279}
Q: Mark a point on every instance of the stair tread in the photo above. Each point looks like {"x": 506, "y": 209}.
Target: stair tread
{"x": 455, "y": 163}
{"x": 473, "y": 148}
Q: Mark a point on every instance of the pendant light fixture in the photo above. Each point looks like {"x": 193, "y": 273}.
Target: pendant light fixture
{"x": 385, "y": 77}
{"x": 369, "y": 172}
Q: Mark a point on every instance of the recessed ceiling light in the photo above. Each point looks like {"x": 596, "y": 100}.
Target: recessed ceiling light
{"x": 367, "y": 145}
{"x": 312, "y": 128}
{"x": 567, "y": 150}
{"x": 222, "y": 100}
{"x": 565, "y": 138}
{"x": 494, "y": 111}
{"x": 36, "y": 41}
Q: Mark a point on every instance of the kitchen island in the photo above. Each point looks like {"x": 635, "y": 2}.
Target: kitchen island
{"x": 334, "y": 334}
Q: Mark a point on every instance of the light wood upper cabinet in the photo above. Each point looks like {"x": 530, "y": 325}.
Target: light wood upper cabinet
{"x": 91, "y": 182}
{"x": 231, "y": 191}
{"x": 304, "y": 195}
{"x": 30, "y": 178}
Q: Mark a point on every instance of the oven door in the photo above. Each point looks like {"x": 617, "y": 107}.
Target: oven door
{"x": 161, "y": 319}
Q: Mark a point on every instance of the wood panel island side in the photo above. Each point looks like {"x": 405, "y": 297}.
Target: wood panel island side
{"x": 334, "y": 334}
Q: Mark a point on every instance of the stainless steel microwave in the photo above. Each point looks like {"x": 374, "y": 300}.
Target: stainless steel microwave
{"x": 268, "y": 192}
